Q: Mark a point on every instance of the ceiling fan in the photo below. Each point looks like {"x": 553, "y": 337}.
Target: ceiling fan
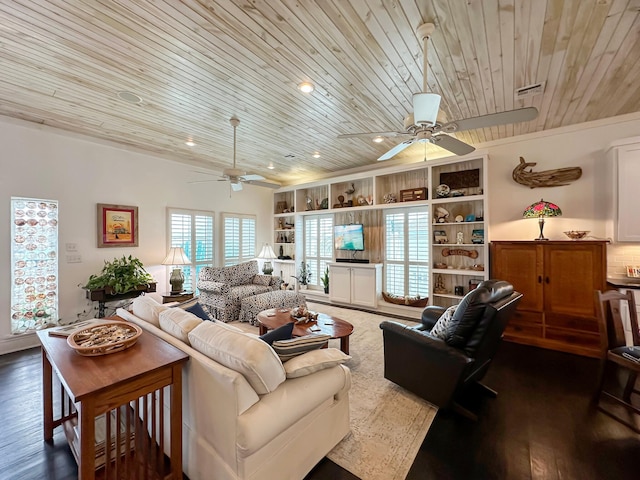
{"x": 422, "y": 125}
{"x": 236, "y": 176}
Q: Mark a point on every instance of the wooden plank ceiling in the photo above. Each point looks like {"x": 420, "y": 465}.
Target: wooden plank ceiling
{"x": 197, "y": 63}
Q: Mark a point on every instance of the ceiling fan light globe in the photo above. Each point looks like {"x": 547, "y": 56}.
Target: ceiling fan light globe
{"x": 425, "y": 108}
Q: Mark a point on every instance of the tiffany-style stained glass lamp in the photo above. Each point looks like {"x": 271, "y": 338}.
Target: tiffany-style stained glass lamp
{"x": 542, "y": 210}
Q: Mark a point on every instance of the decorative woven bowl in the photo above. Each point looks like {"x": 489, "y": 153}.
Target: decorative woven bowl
{"x": 576, "y": 234}
{"x": 102, "y": 339}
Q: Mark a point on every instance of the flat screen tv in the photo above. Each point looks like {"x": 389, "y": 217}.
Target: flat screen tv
{"x": 349, "y": 237}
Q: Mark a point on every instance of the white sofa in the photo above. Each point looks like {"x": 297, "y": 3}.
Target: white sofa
{"x": 231, "y": 432}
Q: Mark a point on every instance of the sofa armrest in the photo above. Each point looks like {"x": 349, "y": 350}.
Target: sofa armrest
{"x": 214, "y": 287}
{"x": 430, "y": 316}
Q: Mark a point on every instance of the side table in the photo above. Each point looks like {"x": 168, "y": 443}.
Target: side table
{"x": 123, "y": 384}
{"x": 176, "y": 297}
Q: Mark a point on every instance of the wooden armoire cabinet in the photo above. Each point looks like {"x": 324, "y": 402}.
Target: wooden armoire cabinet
{"x": 558, "y": 280}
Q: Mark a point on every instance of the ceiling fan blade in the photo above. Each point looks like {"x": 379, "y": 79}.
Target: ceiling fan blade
{"x": 511, "y": 116}
{"x": 397, "y": 149}
{"x": 372, "y": 135}
{"x": 236, "y": 186}
{"x": 452, "y": 144}
{"x": 251, "y": 176}
{"x": 263, "y": 184}
{"x": 202, "y": 181}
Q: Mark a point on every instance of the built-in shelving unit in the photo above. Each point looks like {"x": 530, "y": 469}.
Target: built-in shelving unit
{"x": 457, "y": 212}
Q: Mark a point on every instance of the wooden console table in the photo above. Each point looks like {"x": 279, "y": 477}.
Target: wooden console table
{"x": 130, "y": 381}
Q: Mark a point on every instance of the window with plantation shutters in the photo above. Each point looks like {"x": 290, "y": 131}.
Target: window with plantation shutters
{"x": 318, "y": 245}
{"x": 193, "y": 231}
{"x": 239, "y": 236}
{"x": 406, "y": 263}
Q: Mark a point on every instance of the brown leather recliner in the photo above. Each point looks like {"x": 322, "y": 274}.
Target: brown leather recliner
{"x": 440, "y": 370}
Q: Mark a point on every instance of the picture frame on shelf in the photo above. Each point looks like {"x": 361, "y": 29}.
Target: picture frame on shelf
{"x": 477, "y": 236}
{"x": 440, "y": 237}
{"x": 470, "y": 218}
{"x": 117, "y": 225}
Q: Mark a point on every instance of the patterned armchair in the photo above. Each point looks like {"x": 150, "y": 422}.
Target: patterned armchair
{"x": 223, "y": 288}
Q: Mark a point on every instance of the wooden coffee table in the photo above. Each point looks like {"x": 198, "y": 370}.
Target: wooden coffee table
{"x": 336, "y": 327}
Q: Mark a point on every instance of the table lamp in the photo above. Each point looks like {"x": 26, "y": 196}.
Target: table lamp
{"x": 267, "y": 254}
{"x": 176, "y": 256}
{"x": 541, "y": 210}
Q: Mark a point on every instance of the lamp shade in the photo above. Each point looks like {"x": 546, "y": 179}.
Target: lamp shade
{"x": 176, "y": 256}
{"x": 542, "y": 209}
{"x": 267, "y": 253}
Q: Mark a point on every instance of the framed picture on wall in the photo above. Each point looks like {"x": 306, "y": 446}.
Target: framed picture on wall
{"x": 117, "y": 226}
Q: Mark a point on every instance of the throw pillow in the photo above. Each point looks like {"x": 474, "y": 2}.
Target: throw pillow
{"x": 283, "y": 332}
{"x": 313, "y": 361}
{"x": 287, "y": 349}
{"x": 178, "y": 323}
{"x": 262, "y": 279}
{"x": 194, "y": 306}
{"x": 147, "y": 309}
{"x": 243, "y": 353}
{"x": 439, "y": 330}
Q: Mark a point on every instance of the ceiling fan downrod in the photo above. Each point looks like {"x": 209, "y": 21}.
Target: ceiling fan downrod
{"x": 425, "y": 105}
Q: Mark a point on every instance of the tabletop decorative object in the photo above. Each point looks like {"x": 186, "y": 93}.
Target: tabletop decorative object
{"x": 103, "y": 339}
{"x": 542, "y": 210}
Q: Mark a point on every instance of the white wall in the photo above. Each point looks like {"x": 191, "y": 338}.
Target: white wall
{"x": 41, "y": 162}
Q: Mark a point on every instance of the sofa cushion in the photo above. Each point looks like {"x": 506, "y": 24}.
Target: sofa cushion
{"x": 147, "y": 309}
{"x": 287, "y": 349}
{"x": 245, "y": 354}
{"x": 241, "y": 273}
{"x": 194, "y": 306}
{"x": 313, "y": 361}
{"x": 262, "y": 279}
{"x": 283, "y": 332}
{"x": 178, "y": 323}
{"x": 439, "y": 329}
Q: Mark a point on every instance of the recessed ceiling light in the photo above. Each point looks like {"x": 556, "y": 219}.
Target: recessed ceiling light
{"x": 378, "y": 139}
{"x": 316, "y": 155}
{"x": 190, "y": 143}
{"x": 129, "y": 97}
{"x": 306, "y": 87}
{"x": 271, "y": 167}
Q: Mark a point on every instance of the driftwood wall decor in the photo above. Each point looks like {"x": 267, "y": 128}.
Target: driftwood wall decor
{"x": 546, "y": 178}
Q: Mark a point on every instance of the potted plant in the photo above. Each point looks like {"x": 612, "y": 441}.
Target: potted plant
{"x": 120, "y": 276}
{"x": 325, "y": 280}
{"x": 304, "y": 276}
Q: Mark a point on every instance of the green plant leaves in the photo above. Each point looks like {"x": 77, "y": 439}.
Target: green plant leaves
{"x": 122, "y": 275}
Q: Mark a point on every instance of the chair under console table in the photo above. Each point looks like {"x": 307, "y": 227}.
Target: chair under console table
{"x": 110, "y": 384}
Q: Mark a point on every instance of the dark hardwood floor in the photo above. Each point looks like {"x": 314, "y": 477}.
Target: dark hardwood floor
{"x": 543, "y": 425}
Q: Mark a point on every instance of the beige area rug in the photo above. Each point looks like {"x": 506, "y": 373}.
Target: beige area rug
{"x": 388, "y": 423}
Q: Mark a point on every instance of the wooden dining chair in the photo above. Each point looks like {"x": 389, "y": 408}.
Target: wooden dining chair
{"x": 615, "y": 352}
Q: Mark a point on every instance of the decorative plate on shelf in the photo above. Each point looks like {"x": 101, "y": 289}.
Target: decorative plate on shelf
{"x": 442, "y": 190}
{"x": 110, "y": 337}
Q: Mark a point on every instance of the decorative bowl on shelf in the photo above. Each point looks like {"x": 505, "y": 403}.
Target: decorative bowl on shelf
{"x": 576, "y": 234}
{"x": 103, "y": 339}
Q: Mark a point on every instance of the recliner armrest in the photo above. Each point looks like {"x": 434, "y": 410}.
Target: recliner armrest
{"x": 213, "y": 287}
{"x": 430, "y": 316}
{"x": 434, "y": 348}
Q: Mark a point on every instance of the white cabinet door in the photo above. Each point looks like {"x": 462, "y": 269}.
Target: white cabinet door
{"x": 628, "y": 219}
{"x": 356, "y": 285}
{"x": 364, "y": 286}
{"x": 340, "y": 283}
